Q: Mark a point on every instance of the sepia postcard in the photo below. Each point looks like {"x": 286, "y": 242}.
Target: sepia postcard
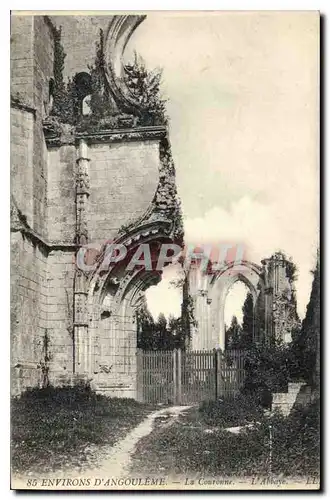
{"x": 165, "y": 263}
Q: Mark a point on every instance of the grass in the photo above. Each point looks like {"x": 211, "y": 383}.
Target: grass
{"x": 191, "y": 445}
{"x": 67, "y": 428}
{"x": 231, "y": 411}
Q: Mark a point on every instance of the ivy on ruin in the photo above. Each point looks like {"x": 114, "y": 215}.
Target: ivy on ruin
{"x": 142, "y": 85}
{"x": 64, "y": 94}
{"x": 166, "y": 199}
{"x": 46, "y": 358}
{"x": 102, "y": 106}
{"x": 286, "y": 300}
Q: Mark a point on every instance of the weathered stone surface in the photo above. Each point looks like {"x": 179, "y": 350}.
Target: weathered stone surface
{"x": 123, "y": 181}
{"x": 70, "y": 188}
{"x": 22, "y": 125}
{"x": 80, "y": 35}
{"x": 273, "y": 295}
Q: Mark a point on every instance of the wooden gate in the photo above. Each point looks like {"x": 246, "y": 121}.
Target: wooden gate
{"x": 186, "y": 377}
{"x": 156, "y": 376}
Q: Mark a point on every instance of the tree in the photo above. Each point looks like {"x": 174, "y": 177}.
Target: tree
{"x": 160, "y": 335}
{"x": 233, "y": 334}
{"x": 59, "y": 89}
{"x": 144, "y": 86}
{"x": 100, "y": 101}
{"x": 145, "y": 328}
{"x": 247, "y": 326}
{"x": 306, "y": 345}
{"x": 161, "y": 322}
{"x": 176, "y": 333}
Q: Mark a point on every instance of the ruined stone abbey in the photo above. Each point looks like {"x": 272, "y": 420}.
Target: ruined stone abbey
{"x": 91, "y": 162}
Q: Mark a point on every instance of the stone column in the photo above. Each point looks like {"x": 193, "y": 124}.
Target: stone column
{"x": 221, "y": 321}
{"x": 269, "y": 299}
{"x": 268, "y": 314}
{"x": 82, "y": 347}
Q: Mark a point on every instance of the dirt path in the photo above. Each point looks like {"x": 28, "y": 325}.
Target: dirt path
{"x": 117, "y": 463}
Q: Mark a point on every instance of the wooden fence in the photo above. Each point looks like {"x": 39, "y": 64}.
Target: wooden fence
{"x": 185, "y": 377}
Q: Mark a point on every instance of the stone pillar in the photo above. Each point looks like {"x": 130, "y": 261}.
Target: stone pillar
{"x": 82, "y": 348}
{"x": 221, "y": 321}
{"x": 82, "y": 193}
{"x": 81, "y": 341}
{"x": 268, "y": 332}
{"x": 280, "y": 304}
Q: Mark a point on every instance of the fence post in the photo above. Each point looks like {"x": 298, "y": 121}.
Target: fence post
{"x": 179, "y": 377}
{"x": 215, "y": 357}
{"x": 138, "y": 376}
{"x": 174, "y": 377}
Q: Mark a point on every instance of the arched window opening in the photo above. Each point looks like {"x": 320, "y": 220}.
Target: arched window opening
{"x": 159, "y": 319}
{"x": 49, "y": 99}
{"x": 83, "y": 86}
{"x": 239, "y": 317}
{"x": 86, "y": 109}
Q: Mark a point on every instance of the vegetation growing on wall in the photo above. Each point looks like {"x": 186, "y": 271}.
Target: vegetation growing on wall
{"x": 44, "y": 361}
{"x": 100, "y": 100}
{"x": 270, "y": 367}
{"x": 285, "y": 302}
{"x": 62, "y": 107}
{"x": 166, "y": 199}
{"x": 143, "y": 86}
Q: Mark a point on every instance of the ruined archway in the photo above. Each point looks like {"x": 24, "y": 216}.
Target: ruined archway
{"x": 106, "y": 344}
{"x": 246, "y": 272}
{"x": 209, "y": 292}
{"x": 130, "y": 143}
{"x": 272, "y": 289}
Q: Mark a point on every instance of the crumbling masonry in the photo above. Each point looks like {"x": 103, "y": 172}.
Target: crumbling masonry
{"x": 91, "y": 162}
{"x": 271, "y": 285}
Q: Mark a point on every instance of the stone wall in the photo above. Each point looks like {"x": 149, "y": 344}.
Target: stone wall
{"x": 61, "y": 194}
{"x": 208, "y": 292}
{"x": 22, "y": 58}
{"x": 29, "y": 309}
{"x": 123, "y": 174}
{"x": 115, "y": 357}
{"x": 79, "y": 37}
{"x": 123, "y": 181}
{"x": 31, "y": 59}
{"x": 60, "y": 311}
{"x": 283, "y": 402}
{"x": 21, "y": 164}
{"x": 31, "y": 70}
{"x": 43, "y": 70}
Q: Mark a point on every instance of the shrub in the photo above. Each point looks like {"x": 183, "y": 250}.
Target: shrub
{"x": 267, "y": 370}
{"x": 231, "y": 410}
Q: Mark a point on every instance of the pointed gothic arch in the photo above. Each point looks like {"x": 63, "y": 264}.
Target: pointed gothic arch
{"x": 106, "y": 344}
{"x": 248, "y": 273}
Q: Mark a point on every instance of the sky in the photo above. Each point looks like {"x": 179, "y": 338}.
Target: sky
{"x": 242, "y": 93}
